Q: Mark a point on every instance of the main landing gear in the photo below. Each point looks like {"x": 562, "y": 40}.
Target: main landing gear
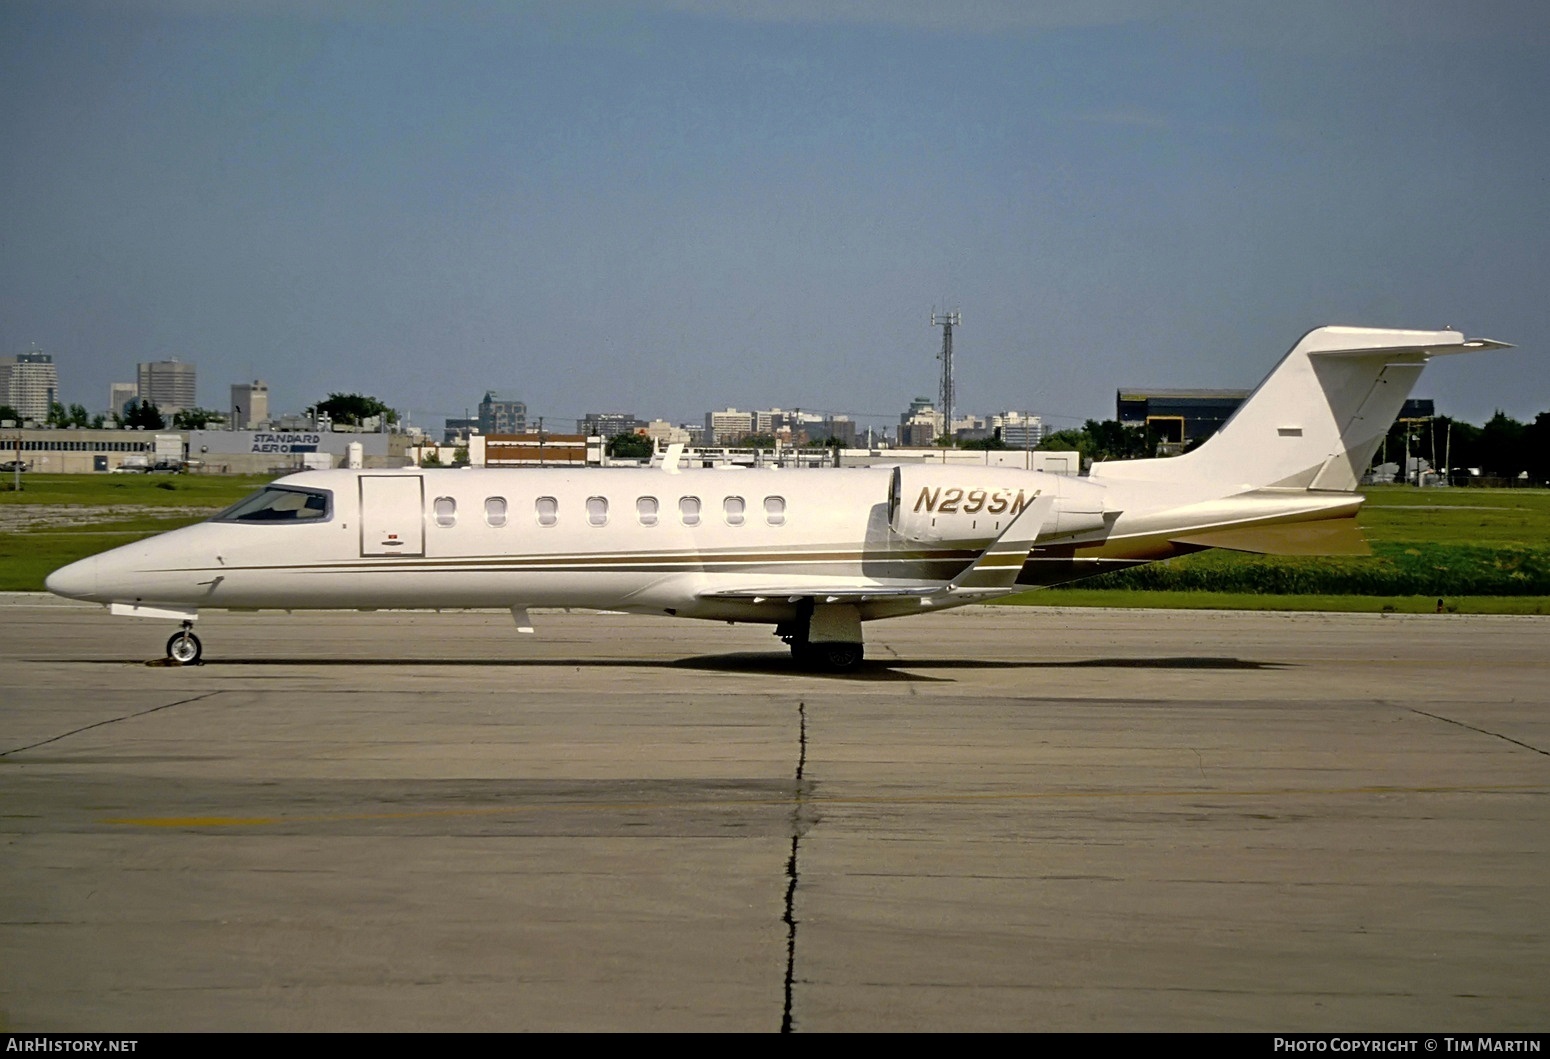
{"x": 826, "y": 637}
{"x": 828, "y": 657}
{"x": 184, "y": 648}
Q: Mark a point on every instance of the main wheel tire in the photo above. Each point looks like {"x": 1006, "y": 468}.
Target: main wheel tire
{"x": 184, "y": 648}
{"x": 837, "y": 657}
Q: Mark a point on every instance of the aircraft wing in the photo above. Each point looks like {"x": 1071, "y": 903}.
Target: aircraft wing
{"x": 993, "y": 574}
{"x": 824, "y": 594}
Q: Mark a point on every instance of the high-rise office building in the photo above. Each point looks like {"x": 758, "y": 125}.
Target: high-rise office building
{"x": 501, "y": 413}
{"x": 249, "y": 404}
{"x": 921, "y": 425}
{"x": 167, "y": 384}
{"x": 608, "y": 424}
{"x": 1019, "y": 430}
{"x": 728, "y": 426}
{"x": 121, "y": 395}
{"x": 29, "y": 383}
{"x": 836, "y": 428}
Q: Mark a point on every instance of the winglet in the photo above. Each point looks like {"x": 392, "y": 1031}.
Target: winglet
{"x": 995, "y": 572}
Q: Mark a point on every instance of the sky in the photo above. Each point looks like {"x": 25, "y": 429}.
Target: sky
{"x": 671, "y": 206}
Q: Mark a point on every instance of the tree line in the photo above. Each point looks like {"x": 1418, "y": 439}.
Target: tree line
{"x": 349, "y": 409}
{"x": 143, "y": 416}
{"x": 1501, "y": 448}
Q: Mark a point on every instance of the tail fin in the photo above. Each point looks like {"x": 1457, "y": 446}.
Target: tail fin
{"x": 1317, "y": 418}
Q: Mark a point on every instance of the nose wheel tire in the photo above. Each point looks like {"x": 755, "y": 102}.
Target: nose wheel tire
{"x": 184, "y": 648}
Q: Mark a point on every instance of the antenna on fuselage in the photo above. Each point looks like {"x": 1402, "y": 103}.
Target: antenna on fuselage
{"x": 671, "y": 457}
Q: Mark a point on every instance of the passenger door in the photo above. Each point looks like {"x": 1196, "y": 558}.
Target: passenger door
{"x": 392, "y": 515}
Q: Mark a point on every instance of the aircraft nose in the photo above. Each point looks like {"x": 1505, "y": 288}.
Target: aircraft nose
{"x": 76, "y": 581}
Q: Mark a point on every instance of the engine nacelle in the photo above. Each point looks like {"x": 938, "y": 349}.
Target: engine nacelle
{"x": 969, "y": 504}
{"x": 973, "y": 505}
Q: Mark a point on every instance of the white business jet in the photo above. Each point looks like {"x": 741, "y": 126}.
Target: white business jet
{"x": 815, "y": 553}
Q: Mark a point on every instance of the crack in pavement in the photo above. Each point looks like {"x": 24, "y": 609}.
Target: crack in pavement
{"x": 1482, "y": 731}
{"x": 789, "y": 918}
{"x": 99, "y": 724}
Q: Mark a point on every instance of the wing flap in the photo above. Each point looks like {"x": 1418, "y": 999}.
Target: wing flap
{"x": 848, "y": 593}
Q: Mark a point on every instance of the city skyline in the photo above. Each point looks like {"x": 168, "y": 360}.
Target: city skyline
{"x": 1020, "y": 428}
{"x": 682, "y": 205}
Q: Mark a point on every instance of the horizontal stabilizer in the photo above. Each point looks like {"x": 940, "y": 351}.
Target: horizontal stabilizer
{"x": 1333, "y": 537}
{"x": 1468, "y": 345}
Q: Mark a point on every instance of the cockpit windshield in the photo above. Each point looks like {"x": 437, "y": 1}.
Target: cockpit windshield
{"x": 277, "y": 503}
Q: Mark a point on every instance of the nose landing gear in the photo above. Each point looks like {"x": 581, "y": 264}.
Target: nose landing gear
{"x": 184, "y": 648}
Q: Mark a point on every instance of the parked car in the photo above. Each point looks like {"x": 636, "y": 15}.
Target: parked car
{"x": 11, "y": 466}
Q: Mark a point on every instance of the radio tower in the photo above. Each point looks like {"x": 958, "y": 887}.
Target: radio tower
{"x": 946, "y": 321}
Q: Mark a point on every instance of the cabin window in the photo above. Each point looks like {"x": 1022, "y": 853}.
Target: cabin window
{"x": 548, "y": 510}
{"x": 597, "y": 510}
{"x": 279, "y": 504}
{"x": 734, "y": 507}
{"x": 775, "y": 510}
{"x": 646, "y": 510}
{"x": 689, "y": 510}
{"x": 446, "y": 510}
{"x": 495, "y": 511}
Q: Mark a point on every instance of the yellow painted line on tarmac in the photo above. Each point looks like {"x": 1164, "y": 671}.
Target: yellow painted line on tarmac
{"x": 814, "y": 800}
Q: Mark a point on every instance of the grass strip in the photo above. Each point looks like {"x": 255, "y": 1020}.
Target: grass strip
{"x": 1344, "y": 604}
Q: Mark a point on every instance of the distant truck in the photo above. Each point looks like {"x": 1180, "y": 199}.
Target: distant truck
{"x": 169, "y": 449}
